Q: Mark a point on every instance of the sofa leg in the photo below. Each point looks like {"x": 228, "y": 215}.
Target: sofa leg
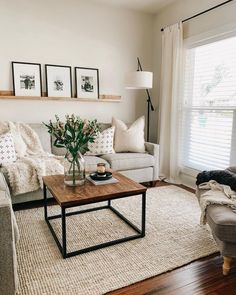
{"x": 152, "y": 183}
{"x": 226, "y": 265}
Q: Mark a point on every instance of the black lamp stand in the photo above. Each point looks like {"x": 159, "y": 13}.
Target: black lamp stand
{"x": 149, "y": 101}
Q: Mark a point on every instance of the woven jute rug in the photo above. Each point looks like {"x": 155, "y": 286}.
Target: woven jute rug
{"x": 173, "y": 238}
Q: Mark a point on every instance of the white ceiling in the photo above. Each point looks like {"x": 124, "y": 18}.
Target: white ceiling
{"x": 150, "y": 6}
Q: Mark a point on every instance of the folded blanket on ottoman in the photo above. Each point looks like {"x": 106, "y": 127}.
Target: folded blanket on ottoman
{"x": 215, "y": 194}
{"x": 25, "y": 175}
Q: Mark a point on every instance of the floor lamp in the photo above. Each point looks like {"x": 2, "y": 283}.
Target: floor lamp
{"x": 141, "y": 80}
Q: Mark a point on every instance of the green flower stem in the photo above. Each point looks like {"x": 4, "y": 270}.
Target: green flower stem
{"x": 73, "y": 172}
{"x": 72, "y": 167}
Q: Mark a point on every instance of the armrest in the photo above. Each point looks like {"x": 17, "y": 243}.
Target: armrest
{"x": 232, "y": 169}
{"x": 8, "y": 261}
{"x": 4, "y": 188}
{"x": 153, "y": 149}
{"x": 3, "y": 184}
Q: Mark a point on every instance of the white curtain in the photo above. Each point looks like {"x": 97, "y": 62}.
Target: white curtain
{"x": 170, "y": 102}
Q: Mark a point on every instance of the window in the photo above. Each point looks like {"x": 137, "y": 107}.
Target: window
{"x": 209, "y": 112}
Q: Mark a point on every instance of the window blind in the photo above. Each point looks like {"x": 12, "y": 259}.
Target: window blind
{"x": 209, "y": 112}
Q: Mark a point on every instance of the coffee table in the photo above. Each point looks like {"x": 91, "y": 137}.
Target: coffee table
{"x": 68, "y": 197}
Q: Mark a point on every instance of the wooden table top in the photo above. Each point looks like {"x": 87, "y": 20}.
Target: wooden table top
{"x": 67, "y": 196}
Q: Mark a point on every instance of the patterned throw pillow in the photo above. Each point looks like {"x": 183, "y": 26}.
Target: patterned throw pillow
{"x": 103, "y": 143}
{"x": 7, "y": 149}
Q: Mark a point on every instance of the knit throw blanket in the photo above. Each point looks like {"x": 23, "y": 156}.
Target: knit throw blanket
{"x": 25, "y": 175}
{"x": 216, "y": 194}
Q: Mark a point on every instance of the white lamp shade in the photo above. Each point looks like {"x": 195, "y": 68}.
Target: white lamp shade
{"x": 139, "y": 80}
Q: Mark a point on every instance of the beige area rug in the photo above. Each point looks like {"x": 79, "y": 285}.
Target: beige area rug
{"x": 173, "y": 238}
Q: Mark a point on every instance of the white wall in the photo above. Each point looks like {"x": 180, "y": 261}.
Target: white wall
{"x": 76, "y": 33}
{"x": 176, "y": 12}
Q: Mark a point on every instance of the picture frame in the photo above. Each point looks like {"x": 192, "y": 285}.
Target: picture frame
{"x": 87, "y": 83}
{"x": 27, "y": 79}
{"x": 58, "y": 80}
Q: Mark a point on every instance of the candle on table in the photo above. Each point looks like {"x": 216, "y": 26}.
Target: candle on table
{"x": 101, "y": 168}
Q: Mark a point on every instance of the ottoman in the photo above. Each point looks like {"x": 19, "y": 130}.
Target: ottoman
{"x": 222, "y": 221}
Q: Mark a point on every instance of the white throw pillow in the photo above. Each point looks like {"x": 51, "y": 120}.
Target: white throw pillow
{"x": 7, "y": 149}
{"x": 20, "y": 146}
{"x": 103, "y": 143}
{"x": 129, "y": 139}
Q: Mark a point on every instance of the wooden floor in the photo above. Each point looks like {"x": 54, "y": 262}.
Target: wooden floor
{"x": 203, "y": 276}
{"x": 200, "y": 277}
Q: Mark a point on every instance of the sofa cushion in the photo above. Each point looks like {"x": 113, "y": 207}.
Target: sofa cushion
{"x": 222, "y": 221}
{"x": 139, "y": 175}
{"x": 55, "y": 150}
{"x": 92, "y": 161}
{"x": 128, "y": 161}
{"x": 44, "y": 136}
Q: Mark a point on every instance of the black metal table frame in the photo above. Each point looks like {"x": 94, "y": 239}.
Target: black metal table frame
{"x": 63, "y": 247}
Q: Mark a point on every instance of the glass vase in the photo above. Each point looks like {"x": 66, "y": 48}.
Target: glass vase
{"x": 74, "y": 166}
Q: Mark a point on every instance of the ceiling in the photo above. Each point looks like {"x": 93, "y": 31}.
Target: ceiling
{"x": 150, "y": 6}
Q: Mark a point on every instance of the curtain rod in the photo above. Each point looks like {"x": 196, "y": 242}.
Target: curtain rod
{"x": 203, "y": 12}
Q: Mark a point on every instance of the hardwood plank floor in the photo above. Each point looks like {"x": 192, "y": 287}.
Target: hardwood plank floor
{"x": 200, "y": 277}
{"x": 203, "y": 276}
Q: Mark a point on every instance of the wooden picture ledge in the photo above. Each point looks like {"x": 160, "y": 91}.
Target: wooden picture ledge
{"x": 6, "y": 94}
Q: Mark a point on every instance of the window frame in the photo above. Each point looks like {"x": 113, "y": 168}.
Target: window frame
{"x": 219, "y": 34}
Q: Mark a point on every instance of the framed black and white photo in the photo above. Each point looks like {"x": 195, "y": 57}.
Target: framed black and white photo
{"x": 27, "y": 79}
{"x": 58, "y": 81}
{"x": 87, "y": 83}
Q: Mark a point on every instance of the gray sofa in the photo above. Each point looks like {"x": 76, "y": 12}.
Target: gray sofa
{"x": 8, "y": 237}
{"x": 222, "y": 221}
{"x": 141, "y": 167}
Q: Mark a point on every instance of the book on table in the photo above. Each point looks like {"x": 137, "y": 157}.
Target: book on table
{"x": 101, "y": 182}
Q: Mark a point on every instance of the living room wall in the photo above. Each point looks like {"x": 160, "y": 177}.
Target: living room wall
{"x": 76, "y": 33}
{"x": 179, "y": 10}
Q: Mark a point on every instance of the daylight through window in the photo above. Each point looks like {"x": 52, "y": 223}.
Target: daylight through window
{"x": 209, "y": 121}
